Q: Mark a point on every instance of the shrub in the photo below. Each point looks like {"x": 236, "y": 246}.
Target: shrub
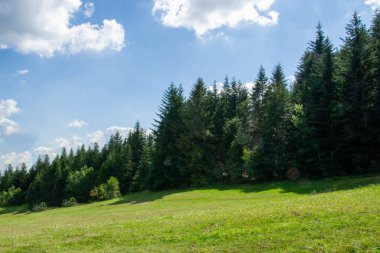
{"x": 108, "y": 190}
{"x": 94, "y": 193}
{"x": 12, "y": 197}
{"x": 69, "y": 202}
{"x": 39, "y": 207}
{"x": 79, "y": 183}
{"x": 112, "y": 188}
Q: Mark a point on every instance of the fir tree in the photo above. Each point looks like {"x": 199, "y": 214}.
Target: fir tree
{"x": 355, "y": 102}
{"x": 166, "y": 172}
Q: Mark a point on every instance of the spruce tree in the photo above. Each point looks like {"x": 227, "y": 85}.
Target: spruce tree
{"x": 195, "y": 142}
{"x": 314, "y": 97}
{"x": 136, "y": 143}
{"x": 375, "y": 79}
{"x": 270, "y": 158}
{"x": 257, "y": 113}
{"x": 169, "y": 128}
{"x": 355, "y": 98}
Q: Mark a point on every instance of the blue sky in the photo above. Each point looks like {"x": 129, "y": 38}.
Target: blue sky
{"x": 73, "y": 71}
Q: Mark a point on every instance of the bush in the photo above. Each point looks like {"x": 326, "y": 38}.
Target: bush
{"x": 69, "y": 202}
{"x": 39, "y": 207}
{"x": 105, "y": 191}
{"x": 79, "y": 183}
{"x": 12, "y": 197}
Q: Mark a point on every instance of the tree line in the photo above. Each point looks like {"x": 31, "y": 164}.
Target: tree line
{"x": 327, "y": 123}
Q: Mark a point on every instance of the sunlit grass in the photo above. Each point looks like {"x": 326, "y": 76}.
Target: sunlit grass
{"x": 341, "y": 215}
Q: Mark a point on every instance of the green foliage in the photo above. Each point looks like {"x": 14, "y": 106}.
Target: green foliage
{"x": 69, "y": 202}
{"x": 166, "y": 171}
{"x": 12, "y": 197}
{"x": 39, "y": 207}
{"x": 374, "y": 120}
{"x": 270, "y": 156}
{"x": 108, "y": 190}
{"x": 195, "y": 140}
{"x": 139, "y": 163}
{"x": 80, "y": 182}
{"x": 355, "y": 91}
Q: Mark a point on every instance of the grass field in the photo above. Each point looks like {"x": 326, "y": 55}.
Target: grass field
{"x": 335, "y": 215}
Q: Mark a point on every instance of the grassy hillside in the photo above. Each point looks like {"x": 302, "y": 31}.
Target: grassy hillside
{"x": 341, "y": 215}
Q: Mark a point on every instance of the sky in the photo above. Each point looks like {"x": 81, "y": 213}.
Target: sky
{"x": 73, "y": 72}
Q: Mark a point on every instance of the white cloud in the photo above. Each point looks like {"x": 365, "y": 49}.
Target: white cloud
{"x": 16, "y": 158}
{"x": 203, "y": 16}
{"x": 23, "y": 71}
{"x": 74, "y": 142}
{"x": 88, "y": 37}
{"x": 96, "y": 137}
{"x": 77, "y": 124}
{"x": 43, "y": 27}
{"x": 89, "y": 9}
{"x": 8, "y": 108}
{"x": 42, "y": 151}
{"x": 375, "y": 4}
{"x": 8, "y": 127}
{"x": 249, "y": 86}
{"x": 62, "y": 142}
{"x": 291, "y": 79}
{"x": 124, "y": 131}
{"x": 219, "y": 86}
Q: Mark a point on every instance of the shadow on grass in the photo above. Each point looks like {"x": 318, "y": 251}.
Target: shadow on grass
{"x": 147, "y": 196}
{"x": 306, "y": 186}
{"x": 302, "y": 186}
{"x": 15, "y": 210}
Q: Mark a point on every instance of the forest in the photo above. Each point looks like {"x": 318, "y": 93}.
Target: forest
{"x": 325, "y": 124}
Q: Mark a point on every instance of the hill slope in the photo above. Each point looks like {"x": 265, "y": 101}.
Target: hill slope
{"x": 340, "y": 215}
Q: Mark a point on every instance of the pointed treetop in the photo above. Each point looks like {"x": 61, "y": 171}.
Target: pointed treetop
{"x": 278, "y": 76}
{"x": 317, "y": 46}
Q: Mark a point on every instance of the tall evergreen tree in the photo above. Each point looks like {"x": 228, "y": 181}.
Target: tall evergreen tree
{"x": 136, "y": 143}
{"x": 166, "y": 172}
{"x": 315, "y": 98}
{"x": 195, "y": 142}
{"x": 375, "y": 111}
{"x": 257, "y": 106}
{"x": 270, "y": 158}
{"x": 355, "y": 101}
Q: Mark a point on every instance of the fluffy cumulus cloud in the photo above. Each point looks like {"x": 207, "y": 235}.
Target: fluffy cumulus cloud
{"x": 375, "y": 4}
{"x": 43, "y": 27}
{"x": 96, "y": 137}
{"x": 7, "y": 109}
{"x": 27, "y": 157}
{"x": 73, "y": 142}
{"x": 77, "y": 124}
{"x": 249, "y": 86}
{"x": 123, "y": 131}
{"x": 16, "y": 158}
{"x": 89, "y": 9}
{"x": 43, "y": 150}
{"x": 203, "y": 16}
{"x": 219, "y": 86}
{"x": 291, "y": 79}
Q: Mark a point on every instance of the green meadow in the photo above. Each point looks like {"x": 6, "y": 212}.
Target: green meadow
{"x": 332, "y": 215}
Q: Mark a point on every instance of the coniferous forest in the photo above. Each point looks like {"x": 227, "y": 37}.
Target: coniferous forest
{"x": 325, "y": 124}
